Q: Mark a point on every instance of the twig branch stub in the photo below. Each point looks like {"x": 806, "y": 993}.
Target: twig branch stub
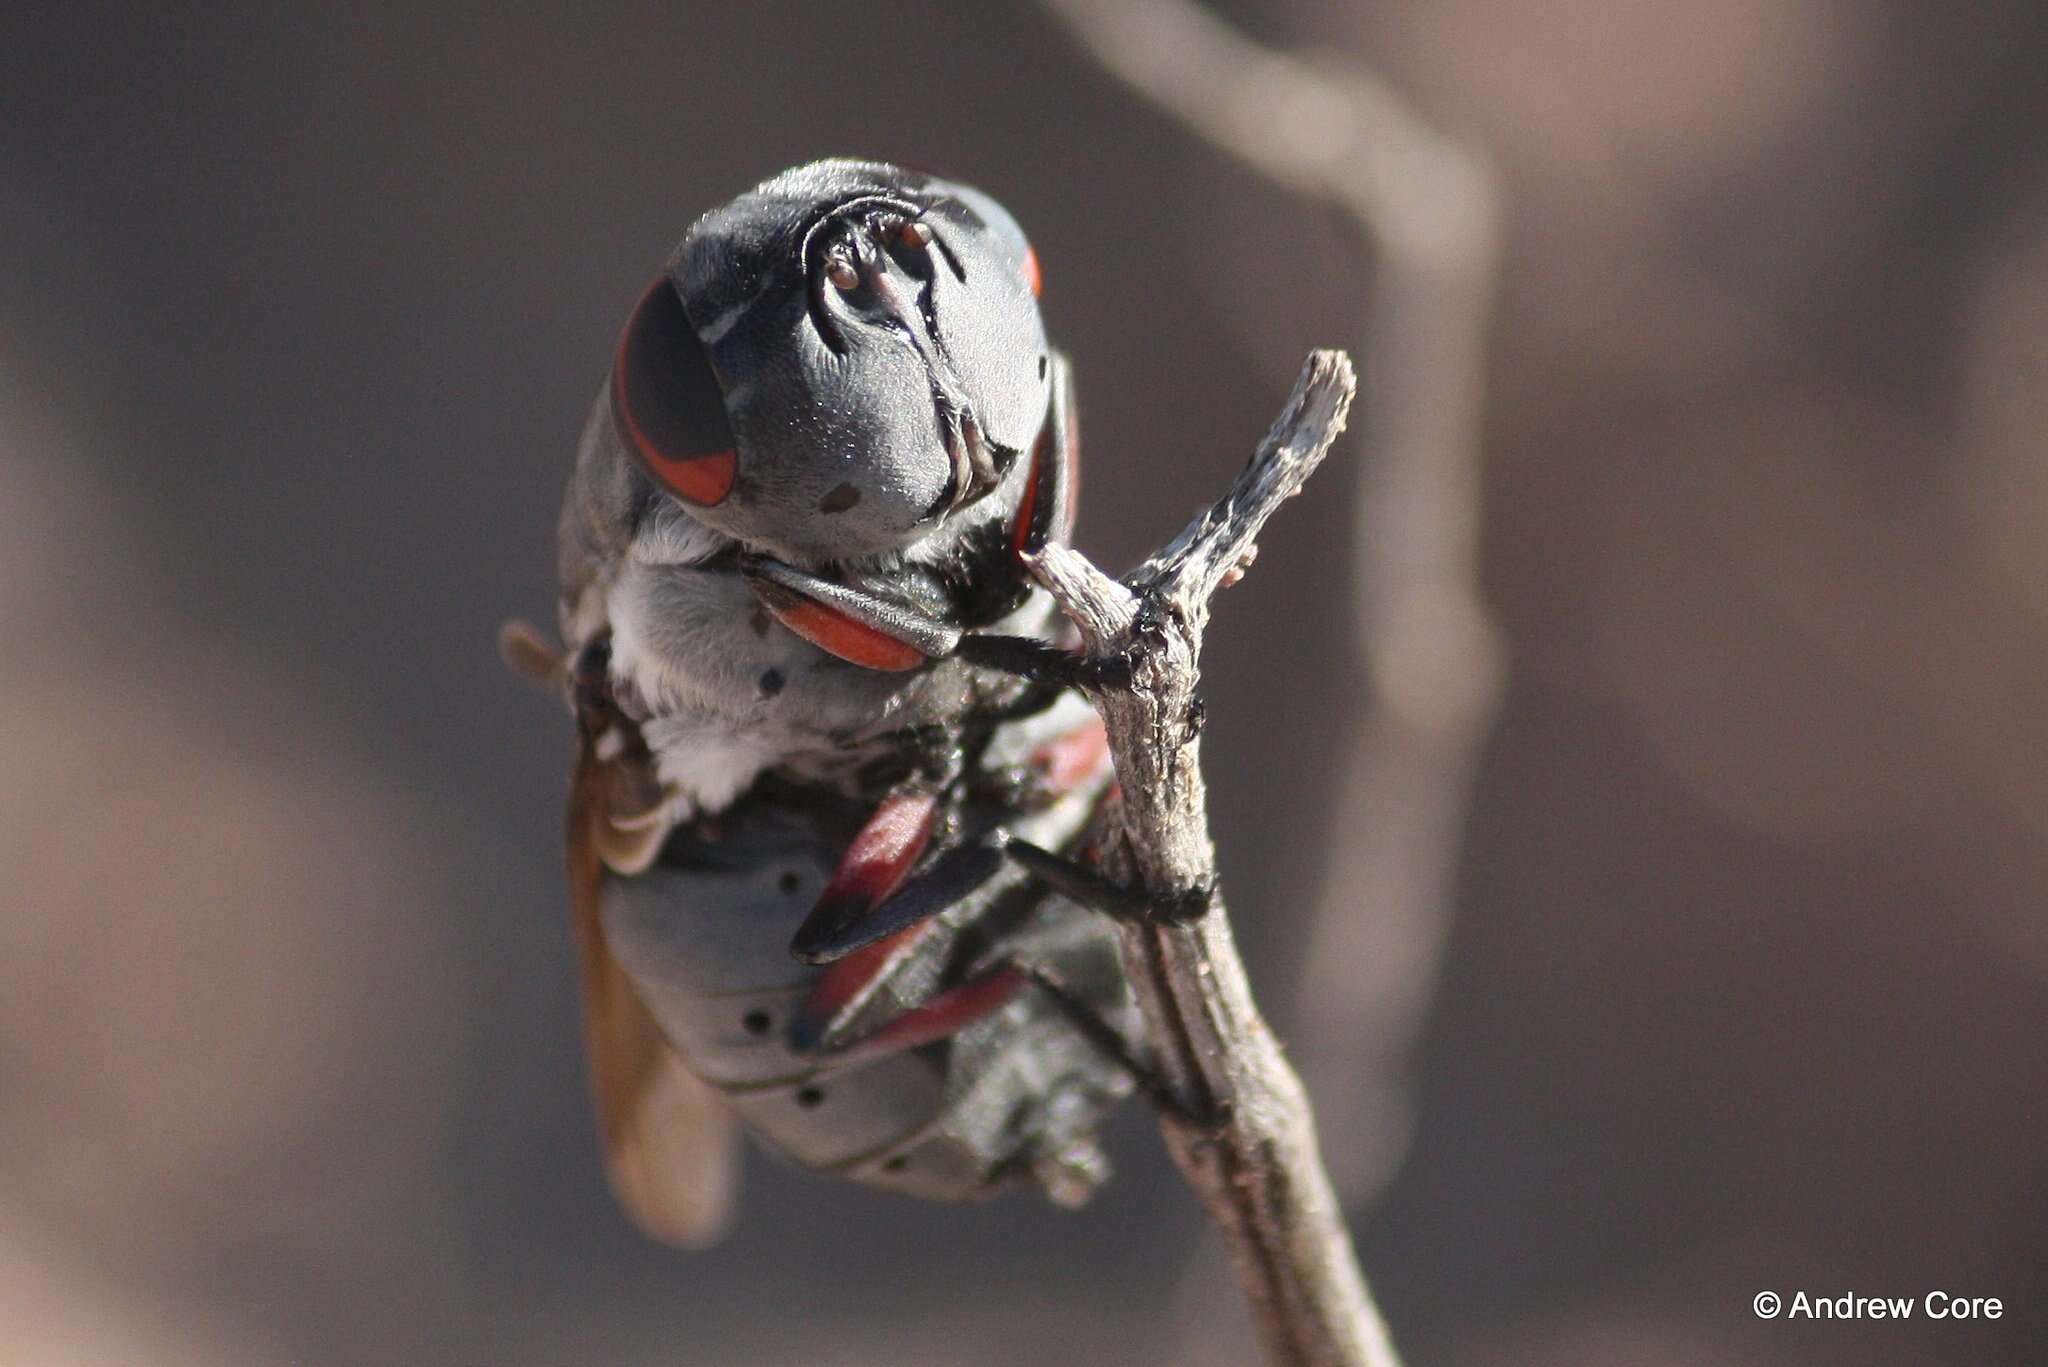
{"x": 1240, "y": 1126}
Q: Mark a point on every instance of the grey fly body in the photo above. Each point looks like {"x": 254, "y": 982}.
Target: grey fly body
{"x": 822, "y": 743}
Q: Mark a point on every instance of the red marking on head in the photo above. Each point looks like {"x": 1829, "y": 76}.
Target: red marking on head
{"x": 700, "y": 479}
{"x": 1071, "y": 760}
{"x": 1027, "y": 507}
{"x": 1032, "y": 275}
{"x": 667, "y": 402}
{"x": 837, "y": 634}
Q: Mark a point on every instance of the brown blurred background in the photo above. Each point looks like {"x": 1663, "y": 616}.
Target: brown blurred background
{"x": 1747, "y": 980}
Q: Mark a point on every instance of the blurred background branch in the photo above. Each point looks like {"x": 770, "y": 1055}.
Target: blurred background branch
{"x": 306, "y": 303}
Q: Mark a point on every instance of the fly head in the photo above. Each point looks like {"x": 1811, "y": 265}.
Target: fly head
{"x": 840, "y": 364}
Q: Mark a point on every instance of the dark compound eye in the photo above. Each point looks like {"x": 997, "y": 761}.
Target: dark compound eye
{"x": 668, "y": 404}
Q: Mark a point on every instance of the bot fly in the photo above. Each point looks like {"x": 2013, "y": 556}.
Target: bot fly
{"x": 801, "y": 808}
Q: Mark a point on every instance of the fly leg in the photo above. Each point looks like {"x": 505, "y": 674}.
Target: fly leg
{"x": 901, "y": 984}
{"x": 960, "y": 948}
{"x": 879, "y": 889}
{"x": 857, "y": 910}
{"x": 850, "y": 916}
{"x": 911, "y": 914}
{"x": 1038, "y": 661}
{"x": 902, "y": 943}
{"x": 892, "y": 942}
{"x": 1114, "y": 1044}
{"x": 922, "y": 983}
{"x": 886, "y": 930}
{"x": 1081, "y": 883}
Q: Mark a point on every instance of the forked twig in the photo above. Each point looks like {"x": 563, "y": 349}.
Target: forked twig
{"x": 1240, "y": 1125}
{"x": 1334, "y": 131}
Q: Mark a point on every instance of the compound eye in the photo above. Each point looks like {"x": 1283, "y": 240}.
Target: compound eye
{"x": 668, "y": 404}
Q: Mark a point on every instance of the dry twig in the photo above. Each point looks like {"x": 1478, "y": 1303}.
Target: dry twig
{"x": 1335, "y": 132}
{"x": 1238, "y": 1122}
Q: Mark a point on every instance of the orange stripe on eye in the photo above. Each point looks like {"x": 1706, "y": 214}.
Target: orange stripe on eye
{"x": 854, "y": 642}
{"x": 1027, "y": 507}
{"x": 1032, "y": 276}
{"x": 666, "y": 398}
{"x": 700, "y": 479}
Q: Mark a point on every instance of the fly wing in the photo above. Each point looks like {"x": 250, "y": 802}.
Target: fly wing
{"x": 670, "y": 1144}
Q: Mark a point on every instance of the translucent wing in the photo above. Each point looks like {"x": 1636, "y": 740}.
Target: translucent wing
{"x": 670, "y": 1144}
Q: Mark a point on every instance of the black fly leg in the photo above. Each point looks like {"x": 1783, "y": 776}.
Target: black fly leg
{"x": 886, "y": 924}
{"x": 886, "y": 988}
{"x": 901, "y": 972}
{"x": 846, "y": 919}
{"x": 844, "y": 923}
{"x": 1030, "y": 658}
{"x": 1112, "y": 1043}
{"x": 899, "y": 945}
{"x": 874, "y": 893}
{"x": 886, "y": 960}
{"x": 1076, "y": 880}
{"x": 912, "y": 882}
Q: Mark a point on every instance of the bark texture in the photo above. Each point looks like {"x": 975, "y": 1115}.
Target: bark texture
{"x": 1237, "y": 1118}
